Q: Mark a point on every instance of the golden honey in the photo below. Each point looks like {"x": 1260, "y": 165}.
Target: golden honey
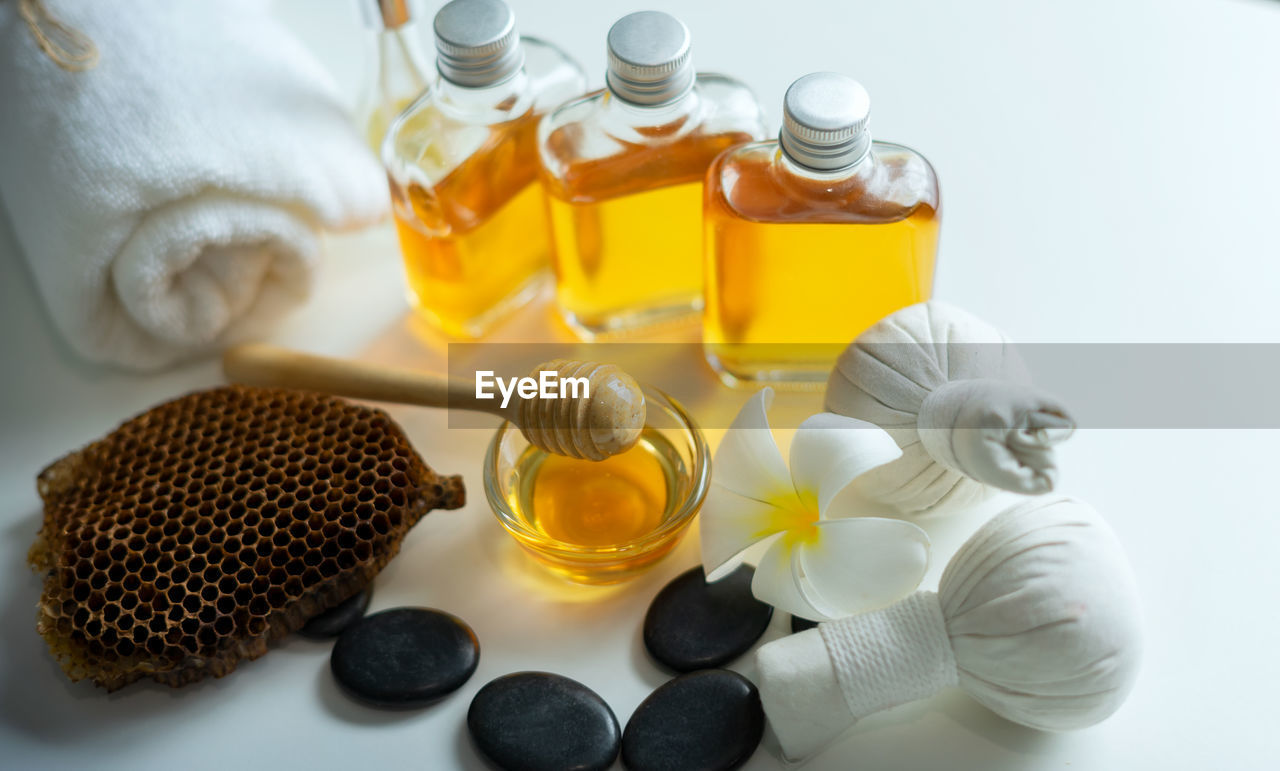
{"x": 604, "y": 521}
{"x": 613, "y": 501}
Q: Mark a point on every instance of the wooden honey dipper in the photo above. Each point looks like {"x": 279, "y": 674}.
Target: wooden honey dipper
{"x": 606, "y": 421}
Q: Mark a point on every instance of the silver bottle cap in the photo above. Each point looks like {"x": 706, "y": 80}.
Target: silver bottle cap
{"x": 476, "y": 43}
{"x": 825, "y": 120}
{"x": 649, "y": 61}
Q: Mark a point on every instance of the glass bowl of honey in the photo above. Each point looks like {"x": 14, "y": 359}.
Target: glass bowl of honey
{"x": 602, "y": 522}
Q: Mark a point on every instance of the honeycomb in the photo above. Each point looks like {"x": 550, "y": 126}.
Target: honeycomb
{"x": 200, "y": 531}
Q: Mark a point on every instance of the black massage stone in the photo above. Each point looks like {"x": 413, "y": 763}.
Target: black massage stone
{"x": 537, "y": 721}
{"x": 404, "y": 657}
{"x": 693, "y": 624}
{"x": 335, "y": 620}
{"x": 709, "y": 720}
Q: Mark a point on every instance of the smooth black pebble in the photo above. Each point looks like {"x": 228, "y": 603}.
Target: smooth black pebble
{"x": 702, "y": 721}
{"x": 335, "y": 620}
{"x": 692, "y": 624}
{"x": 801, "y": 624}
{"x": 404, "y": 657}
{"x": 537, "y": 721}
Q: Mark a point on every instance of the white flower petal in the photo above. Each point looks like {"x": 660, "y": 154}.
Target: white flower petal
{"x": 729, "y": 524}
{"x": 777, "y": 580}
{"x": 829, "y": 451}
{"x": 748, "y": 461}
{"x": 860, "y": 564}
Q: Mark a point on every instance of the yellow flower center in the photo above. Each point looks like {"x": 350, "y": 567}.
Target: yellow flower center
{"x": 795, "y": 516}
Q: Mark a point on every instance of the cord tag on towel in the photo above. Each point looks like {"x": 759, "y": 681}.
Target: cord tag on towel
{"x": 69, "y": 48}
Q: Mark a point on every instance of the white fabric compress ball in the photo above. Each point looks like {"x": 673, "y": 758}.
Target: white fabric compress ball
{"x": 1037, "y": 617}
{"x": 952, "y": 391}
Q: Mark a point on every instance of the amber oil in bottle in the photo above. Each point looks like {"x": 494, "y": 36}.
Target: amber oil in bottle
{"x": 624, "y": 168}
{"x": 462, "y": 162}
{"x": 813, "y": 238}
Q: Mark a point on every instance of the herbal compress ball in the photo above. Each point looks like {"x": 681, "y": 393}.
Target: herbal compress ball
{"x": 198, "y": 532}
{"x": 955, "y": 395}
{"x": 1036, "y": 616}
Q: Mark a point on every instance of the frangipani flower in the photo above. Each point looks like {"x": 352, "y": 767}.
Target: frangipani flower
{"x": 818, "y": 566}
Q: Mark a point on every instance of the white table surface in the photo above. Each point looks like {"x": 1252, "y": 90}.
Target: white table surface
{"x": 1109, "y": 173}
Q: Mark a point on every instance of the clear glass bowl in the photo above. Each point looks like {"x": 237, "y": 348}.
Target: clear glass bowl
{"x": 686, "y": 460}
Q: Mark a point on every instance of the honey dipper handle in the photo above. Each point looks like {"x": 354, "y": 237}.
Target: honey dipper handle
{"x": 260, "y": 364}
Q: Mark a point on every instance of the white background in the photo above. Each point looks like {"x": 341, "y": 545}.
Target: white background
{"x": 1110, "y": 172}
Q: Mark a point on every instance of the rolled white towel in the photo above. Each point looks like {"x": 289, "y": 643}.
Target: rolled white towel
{"x": 168, "y": 199}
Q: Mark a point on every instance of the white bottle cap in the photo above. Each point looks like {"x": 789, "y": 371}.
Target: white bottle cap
{"x": 825, "y": 121}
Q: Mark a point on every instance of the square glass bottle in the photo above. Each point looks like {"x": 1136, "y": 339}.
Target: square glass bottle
{"x": 812, "y": 238}
{"x": 396, "y": 71}
{"x": 623, "y": 169}
{"x": 462, "y": 163}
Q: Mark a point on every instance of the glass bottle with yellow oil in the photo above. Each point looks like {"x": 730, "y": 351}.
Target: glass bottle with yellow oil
{"x": 623, "y": 169}
{"x": 462, "y": 163}
{"x": 396, "y": 72}
{"x": 812, "y": 238}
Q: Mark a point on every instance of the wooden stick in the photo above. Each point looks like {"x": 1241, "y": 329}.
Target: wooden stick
{"x": 604, "y": 420}
{"x": 270, "y": 366}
